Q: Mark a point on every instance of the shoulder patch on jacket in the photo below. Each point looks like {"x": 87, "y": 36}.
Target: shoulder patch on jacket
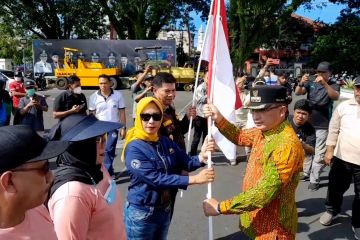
{"x": 135, "y": 164}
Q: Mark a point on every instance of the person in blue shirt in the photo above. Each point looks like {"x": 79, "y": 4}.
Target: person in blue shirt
{"x": 153, "y": 163}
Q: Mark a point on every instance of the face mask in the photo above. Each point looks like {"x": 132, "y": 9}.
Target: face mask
{"x": 77, "y": 90}
{"x": 30, "y": 92}
{"x": 110, "y": 194}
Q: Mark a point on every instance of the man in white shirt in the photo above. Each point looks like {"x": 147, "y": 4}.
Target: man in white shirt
{"x": 109, "y": 105}
{"x": 342, "y": 152}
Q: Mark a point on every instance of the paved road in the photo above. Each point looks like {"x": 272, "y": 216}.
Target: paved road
{"x": 189, "y": 221}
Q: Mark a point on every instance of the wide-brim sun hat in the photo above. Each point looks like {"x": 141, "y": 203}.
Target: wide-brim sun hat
{"x": 78, "y": 127}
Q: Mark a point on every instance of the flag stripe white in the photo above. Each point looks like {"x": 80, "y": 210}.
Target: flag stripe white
{"x": 223, "y": 85}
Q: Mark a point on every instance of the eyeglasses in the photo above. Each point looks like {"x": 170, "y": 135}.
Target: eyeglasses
{"x": 264, "y": 109}
{"x": 44, "y": 169}
{"x": 146, "y": 116}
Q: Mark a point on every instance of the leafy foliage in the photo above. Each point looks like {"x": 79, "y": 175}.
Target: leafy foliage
{"x": 54, "y": 19}
{"x": 143, "y": 19}
{"x": 352, "y": 4}
{"x": 341, "y": 45}
{"x": 255, "y": 23}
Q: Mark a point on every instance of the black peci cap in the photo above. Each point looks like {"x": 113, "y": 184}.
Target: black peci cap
{"x": 262, "y": 95}
{"x": 20, "y": 144}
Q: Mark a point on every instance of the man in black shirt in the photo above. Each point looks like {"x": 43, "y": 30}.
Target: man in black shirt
{"x": 305, "y": 132}
{"x": 171, "y": 126}
{"x": 70, "y": 101}
{"x": 165, "y": 91}
{"x": 321, "y": 92}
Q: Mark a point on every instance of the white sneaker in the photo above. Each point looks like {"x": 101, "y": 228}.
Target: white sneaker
{"x": 232, "y": 162}
{"x": 326, "y": 219}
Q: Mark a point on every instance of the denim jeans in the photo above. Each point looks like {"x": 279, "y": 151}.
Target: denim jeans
{"x": 110, "y": 148}
{"x": 340, "y": 177}
{"x": 146, "y": 223}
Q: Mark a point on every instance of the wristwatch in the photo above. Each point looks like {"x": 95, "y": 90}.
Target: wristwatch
{"x": 218, "y": 208}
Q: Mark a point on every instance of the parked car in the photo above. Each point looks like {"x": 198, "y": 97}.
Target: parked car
{"x": 7, "y": 76}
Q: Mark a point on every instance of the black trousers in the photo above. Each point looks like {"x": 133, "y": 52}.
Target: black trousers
{"x": 340, "y": 177}
{"x": 200, "y": 130}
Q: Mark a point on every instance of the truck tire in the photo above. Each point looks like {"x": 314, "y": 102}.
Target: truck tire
{"x": 113, "y": 83}
{"x": 61, "y": 83}
{"x": 188, "y": 87}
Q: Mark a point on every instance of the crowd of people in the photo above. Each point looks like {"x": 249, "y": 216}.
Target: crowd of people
{"x": 80, "y": 200}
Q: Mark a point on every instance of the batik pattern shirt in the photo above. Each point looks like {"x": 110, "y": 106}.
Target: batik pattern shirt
{"x": 267, "y": 206}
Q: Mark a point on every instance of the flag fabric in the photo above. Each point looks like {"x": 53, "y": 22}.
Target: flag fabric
{"x": 222, "y": 90}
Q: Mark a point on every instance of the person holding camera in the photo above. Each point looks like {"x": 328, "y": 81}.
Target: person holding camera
{"x": 32, "y": 107}
{"x": 321, "y": 92}
{"x": 142, "y": 87}
{"x": 267, "y": 71}
{"x": 71, "y": 101}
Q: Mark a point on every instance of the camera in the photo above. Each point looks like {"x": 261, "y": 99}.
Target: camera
{"x": 274, "y": 61}
{"x": 248, "y": 82}
{"x": 312, "y": 78}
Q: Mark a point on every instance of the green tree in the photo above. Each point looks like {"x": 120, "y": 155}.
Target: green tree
{"x": 54, "y": 19}
{"x": 10, "y": 45}
{"x": 352, "y": 4}
{"x": 254, "y": 23}
{"x": 143, "y": 19}
{"x": 341, "y": 45}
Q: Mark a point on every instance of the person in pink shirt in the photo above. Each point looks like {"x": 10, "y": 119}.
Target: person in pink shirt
{"x": 25, "y": 180}
{"x": 84, "y": 201}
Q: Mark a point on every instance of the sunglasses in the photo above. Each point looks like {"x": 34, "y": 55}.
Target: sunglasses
{"x": 146, "y": 116}
{"x": 44, "y": 169}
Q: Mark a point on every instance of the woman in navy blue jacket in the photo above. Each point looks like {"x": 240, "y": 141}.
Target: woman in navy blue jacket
{"x": 154, "y": 164}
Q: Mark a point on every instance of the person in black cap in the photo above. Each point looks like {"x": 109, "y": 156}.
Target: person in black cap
{"x": 32, "y": 107}
{"x": 321, "y": 92}
{"x": 71, "y": 101}
{"x": 25, "y": 179}
{"x": 84, "y": 201}
{"x": 267, "y": 203}
{"x": 305, "y": 132}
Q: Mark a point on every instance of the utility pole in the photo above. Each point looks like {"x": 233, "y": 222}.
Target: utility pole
{"x": 23, "y": 43}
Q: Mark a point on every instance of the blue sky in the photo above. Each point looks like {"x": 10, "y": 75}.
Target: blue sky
{"x": 327, "y": 13}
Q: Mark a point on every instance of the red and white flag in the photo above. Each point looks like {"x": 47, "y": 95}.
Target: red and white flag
{"x": 222, "y": 90}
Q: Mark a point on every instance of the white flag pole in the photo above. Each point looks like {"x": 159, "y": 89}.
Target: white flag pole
{"x": 195, "y": 86}
{"x": 210, "y": 122}
{"x": 197, "y": 80}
